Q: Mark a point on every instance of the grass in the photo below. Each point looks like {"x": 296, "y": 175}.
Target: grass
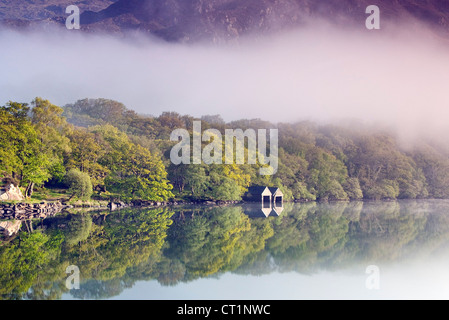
{"x": 44, "y": 194}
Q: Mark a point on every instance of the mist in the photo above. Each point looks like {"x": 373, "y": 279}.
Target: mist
{"x": 398, "y": 77}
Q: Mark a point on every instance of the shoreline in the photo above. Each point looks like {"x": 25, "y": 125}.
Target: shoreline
{"x": 44, "y": 208}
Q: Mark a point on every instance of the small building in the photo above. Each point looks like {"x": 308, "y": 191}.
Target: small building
{"x": 277, "y": 197}
{"x": 270, "y": 197}
{"x": 259, "y": 194}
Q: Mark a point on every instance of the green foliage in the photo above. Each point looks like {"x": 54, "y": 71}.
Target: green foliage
{"x": 341, "y": 163}
{"x": 352, "y": 188}
{"x": 86, "y": 152}
{"x": 207, "y": 243}
{"x": 215, "y": 181}
{"x": 300, "y": 191}
{"x": 115, "y": 250}
{"x": 51, "y": 129}
{"x": 135, "y": 171}
{"x": 227, "y": 189}
{"x": 128, "y": 155}
{"x": 20, "y": 145}
{"x": 434, "y": 166}
{"x": 89, "y": 112}
{"x": 197, "y": 180}
{"x": 79, "y": 184}
{"x": 77, "y": 229}
{"x": 22, "y": 262}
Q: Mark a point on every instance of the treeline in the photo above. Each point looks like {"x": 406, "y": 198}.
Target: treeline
{"x": 39, "y": 147}
{"x": 100, "y": 145}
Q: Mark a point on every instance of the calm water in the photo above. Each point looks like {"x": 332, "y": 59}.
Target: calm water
{"x": 372, "y": 250}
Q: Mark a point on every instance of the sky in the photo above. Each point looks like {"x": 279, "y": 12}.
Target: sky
{"x": 398, "y": 77}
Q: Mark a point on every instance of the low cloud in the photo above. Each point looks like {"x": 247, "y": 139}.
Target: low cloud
{"x": 319, "y": 73}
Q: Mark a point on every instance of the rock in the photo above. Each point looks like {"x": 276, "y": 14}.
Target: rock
{"x": 11, "y": 192}
{"x": 10, "y": 228}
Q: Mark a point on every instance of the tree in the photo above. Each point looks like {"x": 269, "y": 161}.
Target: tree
{"x": 172, "y": 120}
{"x": 300, "y": 191}
{"x": 22, "y": 157}
{"x": 327, "y": 174}
{"x": 226, "y": 189}
{"x": 79, "y": 184}
{"x": 51, "y": 128}
{"x": 16, "y": 136}
{"x": 215, "y": 120}
{"x": 434, "y": 165}
{"x": 383, "y": 170}
{"x": 87, "y": 112}
{"x": 86, "y": 152}
{"x": 197, "y": 180}
{"x": 36, "y": 171}
{"x": 134, "y": 171}
{"x": 48, "y": 146}
{"x": 352, "y": 188}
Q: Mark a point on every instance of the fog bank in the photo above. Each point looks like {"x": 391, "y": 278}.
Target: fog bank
{"x": 317, "y": 73}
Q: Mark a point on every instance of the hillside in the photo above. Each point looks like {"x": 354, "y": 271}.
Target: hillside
{"x": 324, "y": 162}
{"x": 99, "y": 144}
{"x": 221, "y": 20}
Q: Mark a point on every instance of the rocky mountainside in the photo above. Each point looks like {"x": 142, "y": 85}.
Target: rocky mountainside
{"x": 30, "y": 10}
{"x": 217, "y": 20}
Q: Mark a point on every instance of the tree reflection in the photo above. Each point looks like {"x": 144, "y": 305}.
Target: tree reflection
{"x": 170, "y": 246}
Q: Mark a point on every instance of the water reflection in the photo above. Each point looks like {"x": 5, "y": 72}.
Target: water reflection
{"x": 178, "y": 245}
{"x": 255, "y": 210}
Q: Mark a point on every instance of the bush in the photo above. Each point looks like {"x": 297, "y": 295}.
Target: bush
{"x": 79, "y": 184}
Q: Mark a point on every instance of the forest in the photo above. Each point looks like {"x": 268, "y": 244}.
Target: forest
{"x": 99, "y": 148}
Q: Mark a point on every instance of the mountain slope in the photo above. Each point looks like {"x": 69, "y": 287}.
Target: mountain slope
{"x": 216, "y": 20}
{"x": 45, "y": 9}
{"x": 228, "y": 19}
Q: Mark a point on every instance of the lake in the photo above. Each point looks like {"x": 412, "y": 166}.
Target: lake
{"x": 342, "y": 250}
